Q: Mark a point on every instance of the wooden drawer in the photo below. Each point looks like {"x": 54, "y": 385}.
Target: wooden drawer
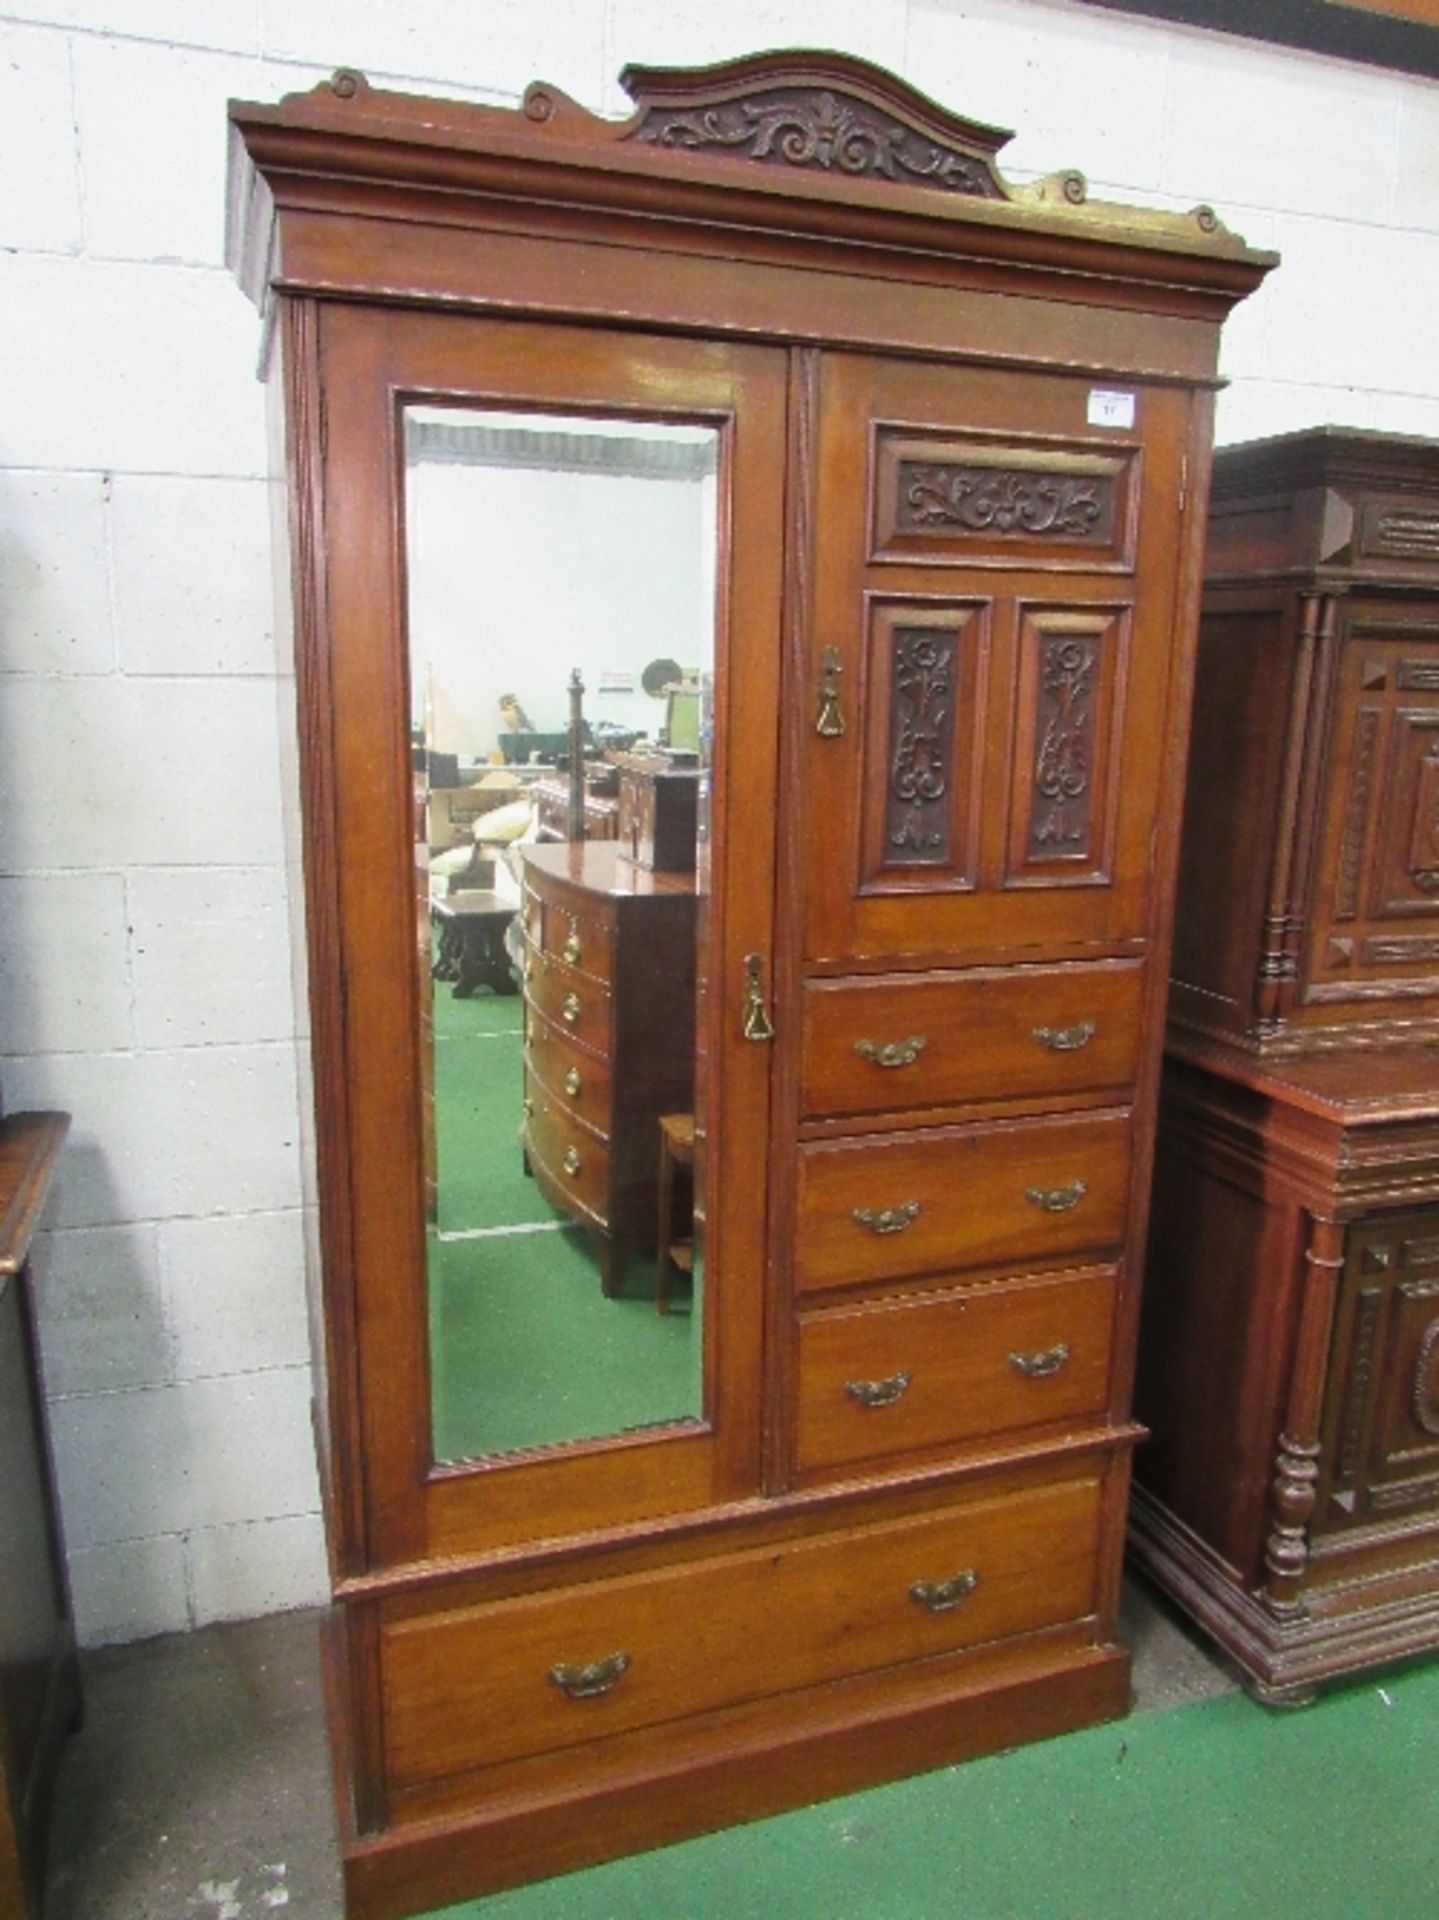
{"x": 576, "y": 1082}
{"x": 574, "y": 1002}
{"x": 575, "y": 1160}
{"x": 896, "y": 1041}
{"x": 903, "y": 1376}
{"x": 578, "y": 939}
{"x": 895, "y": 1206}
{"x": 472, "y": 1687}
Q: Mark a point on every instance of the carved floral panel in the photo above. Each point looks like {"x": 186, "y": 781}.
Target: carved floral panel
{"x": 944, "y": 501}
{"x": 925, "y": 675}
{"x": 1063, "y": 776}
{"x": 1004, "y": 502}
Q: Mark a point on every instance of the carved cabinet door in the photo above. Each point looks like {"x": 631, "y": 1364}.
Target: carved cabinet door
{"x": 992, "y": 589}
{"x": 1375, "y": 924}
{"x": 1380, "y": 1457}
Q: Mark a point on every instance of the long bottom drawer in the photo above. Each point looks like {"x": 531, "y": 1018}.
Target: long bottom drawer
{"x": 542, "y": 1672}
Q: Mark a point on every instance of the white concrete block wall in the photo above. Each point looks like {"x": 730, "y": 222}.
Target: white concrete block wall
{"x": 143, "y": 963}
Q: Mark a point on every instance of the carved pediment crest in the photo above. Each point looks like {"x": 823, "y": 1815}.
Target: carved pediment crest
{"x": 825, "y": 112}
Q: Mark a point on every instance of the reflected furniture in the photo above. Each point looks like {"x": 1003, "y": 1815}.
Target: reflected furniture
{"x": 659, "y": 810}
{"x": 39, "y": 1671}
{"x": 963, "y": 432}
{"x": 601, "y": 807}
{"x": 1289, "y": 1364}
{"x": 609, "y": 981}
{"x": 675, "y": 1251}
{"x": 471, "y": 951}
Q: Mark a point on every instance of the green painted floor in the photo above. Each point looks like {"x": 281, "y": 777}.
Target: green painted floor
{"x": 1198, "y": 1813}
{"x": 525, "y": 1349}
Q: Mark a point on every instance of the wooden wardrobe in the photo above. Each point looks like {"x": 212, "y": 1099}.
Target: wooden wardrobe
{"x": 1289, "y": 1367}
{"x": 960, "y": 437}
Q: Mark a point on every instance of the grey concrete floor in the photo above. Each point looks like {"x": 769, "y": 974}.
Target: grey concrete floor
{"x": 199, "y": 1787}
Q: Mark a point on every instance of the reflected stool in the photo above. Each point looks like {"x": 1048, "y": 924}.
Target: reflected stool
{"x": 676, "y": 1253}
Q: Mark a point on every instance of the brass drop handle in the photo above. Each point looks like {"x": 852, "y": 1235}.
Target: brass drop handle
{"x": 757, "y": 1023}
{"x": 888, "y": 1219}
{"x": 1066, "y": 1039}
{"x": 1056, "y": 1199}
{"x": 572, "y": 947}
{"x": 878, "y": 1393}
{"x": 571, "y": 1161}
{"x": 570, "y": 1011}
{"x": 943, "y": 1596}
{"x": 589, "y": 1682}
{"x": 1040, "y": 1366}
{"x": 830, "y": 721}
{"x": 892, "y": 1053}
{"x": 572, "y": 1082}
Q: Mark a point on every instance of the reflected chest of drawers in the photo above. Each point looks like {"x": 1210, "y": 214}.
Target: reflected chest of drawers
{"x": 609, "y": 1035}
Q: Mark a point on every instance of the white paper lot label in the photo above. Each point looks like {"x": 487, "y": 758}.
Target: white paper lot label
{"x": 1110, "y": 408}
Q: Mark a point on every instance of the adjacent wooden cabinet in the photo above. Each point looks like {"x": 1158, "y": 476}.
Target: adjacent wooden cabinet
{"x": 949, "y": 437}
{"x": 40, "y": 1698}
{"x": 1289, "y": 1361}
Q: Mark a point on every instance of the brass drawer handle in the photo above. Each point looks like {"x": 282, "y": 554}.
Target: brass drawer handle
{"x": 588, "y": 1683}
{"x": 572, "y": 1082}
{"x": 890, "y": 1219}
{"x": 829, "y": 722}
{"x": 878, "y": 1393}
{"x": 570, "y": 1011}
{"x": 943, "y": 1596}
{"x": 1039, "y": 1366}
{"x": 1067, "y": 1039}
{"x": 572, "y": 947}
{"x": 892, "y": 1053}
{"x": 571, "y": 1161}
{"x": 1056, "y": 1199}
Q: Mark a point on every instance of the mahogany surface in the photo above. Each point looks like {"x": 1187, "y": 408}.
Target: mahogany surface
{"x": 964, "y": 429}
{"x": 39, "y": 1670}
{"x": 1289, "y": 1497}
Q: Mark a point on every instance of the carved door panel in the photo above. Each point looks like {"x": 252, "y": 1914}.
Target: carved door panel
{"x": 1381, "y": 1442}
{"x": 1375, "y": 928}
{"x": 992, "y": 592}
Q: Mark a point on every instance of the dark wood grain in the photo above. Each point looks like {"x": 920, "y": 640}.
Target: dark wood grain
{"x": 1290, "y": 1494}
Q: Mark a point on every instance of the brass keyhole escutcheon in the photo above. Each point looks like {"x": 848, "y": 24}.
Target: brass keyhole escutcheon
{"x": 829, "y": 723}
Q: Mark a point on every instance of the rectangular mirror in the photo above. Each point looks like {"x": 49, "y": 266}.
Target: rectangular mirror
{"x": 561, "y": 611}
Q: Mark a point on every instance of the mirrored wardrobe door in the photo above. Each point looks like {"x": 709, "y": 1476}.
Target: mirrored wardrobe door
{"x": 554, "y": 654}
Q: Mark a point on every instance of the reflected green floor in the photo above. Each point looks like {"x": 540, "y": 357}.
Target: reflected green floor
{"x": 1219, "y": 1811}
{"x": 525, "y": 1349}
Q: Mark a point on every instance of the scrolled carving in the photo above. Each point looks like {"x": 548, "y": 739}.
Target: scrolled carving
{"x": 820, "y": 127}
{"x": 1013, "y": 502}
{"x": 1059, "y": 823}
{"x": 921, "y": 745}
